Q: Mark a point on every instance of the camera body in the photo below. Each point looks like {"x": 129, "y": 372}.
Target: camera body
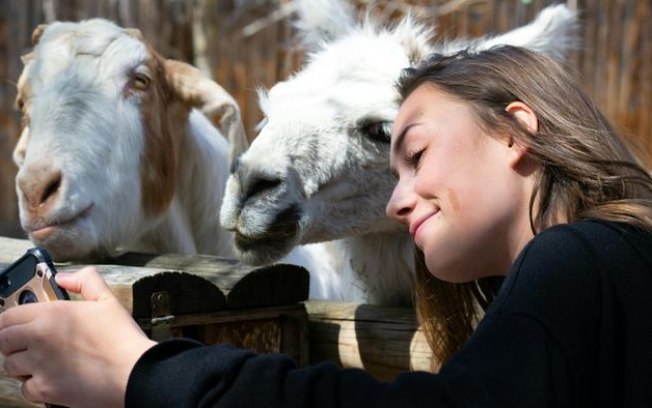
{"x": 30, "y": 279}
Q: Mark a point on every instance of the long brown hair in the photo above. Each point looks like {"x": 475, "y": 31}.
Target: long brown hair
{"x": 586, "y": 168}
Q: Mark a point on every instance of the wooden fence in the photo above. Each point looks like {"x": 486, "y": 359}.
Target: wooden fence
{"x": 216, "y": 300}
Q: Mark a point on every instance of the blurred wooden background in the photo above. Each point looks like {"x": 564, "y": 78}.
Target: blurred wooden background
{"x": 245, "y": 44}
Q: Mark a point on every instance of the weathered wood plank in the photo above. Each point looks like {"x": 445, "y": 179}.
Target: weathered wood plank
{"x": 243, "y": 286}
{"x": 384, "y": 341}
{"x": 197, "y": 284}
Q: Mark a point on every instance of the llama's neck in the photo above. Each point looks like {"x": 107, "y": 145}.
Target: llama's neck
{"x": 191, "y": 224}
{"x": 383, "y": 263}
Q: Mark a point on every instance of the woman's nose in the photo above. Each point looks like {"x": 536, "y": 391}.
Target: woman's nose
{"x": 400, "y": 204}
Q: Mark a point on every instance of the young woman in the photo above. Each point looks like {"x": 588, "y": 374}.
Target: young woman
{"x": 505, "y": 169}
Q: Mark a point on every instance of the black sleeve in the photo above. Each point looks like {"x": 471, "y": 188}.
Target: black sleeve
{"x": 513, "y": 360}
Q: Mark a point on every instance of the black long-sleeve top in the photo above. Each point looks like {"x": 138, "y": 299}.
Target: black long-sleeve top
{"x": 571, "y": 326}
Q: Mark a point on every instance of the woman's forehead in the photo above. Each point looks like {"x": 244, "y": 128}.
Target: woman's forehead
{"x": 426, "y": 101}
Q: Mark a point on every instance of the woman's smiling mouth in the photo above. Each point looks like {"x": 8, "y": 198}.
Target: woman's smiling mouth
{"x": 416, "y": 225}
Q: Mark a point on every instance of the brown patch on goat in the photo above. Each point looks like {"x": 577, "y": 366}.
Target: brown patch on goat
{"x": 164, "y": 120}
{"x": 186, "y": 82}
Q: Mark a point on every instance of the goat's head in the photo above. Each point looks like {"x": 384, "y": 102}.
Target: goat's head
{"x": 103, "y": 115}
{"x": 319, "y": 168}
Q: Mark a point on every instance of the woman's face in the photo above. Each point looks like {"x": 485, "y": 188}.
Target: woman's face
{"x": 464, "y": 194}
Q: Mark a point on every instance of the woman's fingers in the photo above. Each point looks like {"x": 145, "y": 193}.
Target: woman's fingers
{"x": 61, "y": 352}
{"x": 17, "y": 328}
{"x": 18, "y": 315}
{"x": 36, "y": 390}
{"x": 19, "y": 364}
{"x": 12, "y": 340}
{"x": 86, "y": 281}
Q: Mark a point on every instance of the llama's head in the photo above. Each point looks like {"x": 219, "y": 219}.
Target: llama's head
{"x": 103, "y": 115}
{"x": 319, "y": 168}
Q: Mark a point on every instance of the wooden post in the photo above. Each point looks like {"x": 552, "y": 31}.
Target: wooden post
{"x": 384, "y": 341}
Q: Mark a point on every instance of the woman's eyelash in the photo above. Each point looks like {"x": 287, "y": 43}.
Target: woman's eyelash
{"x": 413, "y": 158}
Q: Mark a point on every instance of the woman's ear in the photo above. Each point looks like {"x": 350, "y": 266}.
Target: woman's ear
{"x": 529, "y": 119}
{"x": 524, "y": 114}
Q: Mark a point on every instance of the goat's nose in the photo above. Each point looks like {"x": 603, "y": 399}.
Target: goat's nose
{"x": 39, "y": 185}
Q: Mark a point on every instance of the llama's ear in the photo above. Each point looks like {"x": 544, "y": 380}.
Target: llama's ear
{"x": 134, "y": 32}
{"x": 321, "y": 21}
{"x": 196, "y": 90}
{"x": 415, "y": 38}
{"x": 37, "y": 33}
{"x": 553, "y": 32}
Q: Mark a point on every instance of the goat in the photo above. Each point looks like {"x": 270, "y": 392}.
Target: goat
{"x": 117, "y": 152}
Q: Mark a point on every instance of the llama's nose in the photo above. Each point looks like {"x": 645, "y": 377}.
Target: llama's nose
{"x": 255, "y": 182}
{"x": 40, "y": 185}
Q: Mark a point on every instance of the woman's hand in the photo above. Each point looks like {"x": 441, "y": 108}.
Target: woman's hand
{"x": 73, "y": 353}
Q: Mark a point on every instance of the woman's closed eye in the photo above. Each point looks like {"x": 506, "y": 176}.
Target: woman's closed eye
{"x": 413, "y": 158}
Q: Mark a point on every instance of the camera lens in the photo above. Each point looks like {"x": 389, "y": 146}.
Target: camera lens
{"x": 27, "y": 296}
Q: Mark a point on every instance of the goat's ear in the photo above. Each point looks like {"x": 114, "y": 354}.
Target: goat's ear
{"x": 37, "y": 33}
{"x": 197, "y": 91}
{"x": 319, "y": 22}
{"x": 554, "y": 32}
{"x": 21, "y": 147}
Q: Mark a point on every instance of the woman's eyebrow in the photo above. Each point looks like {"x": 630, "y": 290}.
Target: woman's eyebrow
{"x": 401, "y": 137}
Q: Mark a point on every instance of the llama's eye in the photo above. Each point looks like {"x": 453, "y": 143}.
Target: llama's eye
{"x": 20, "y": 104}
{"x": 378, "y": 131}
{"x": 140, "y": 81}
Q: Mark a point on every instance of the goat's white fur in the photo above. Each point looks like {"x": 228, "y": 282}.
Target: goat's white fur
{"x": 85, "y": 119}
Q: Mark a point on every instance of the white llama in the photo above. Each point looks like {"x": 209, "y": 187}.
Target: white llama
{"x": 318, "y": 171}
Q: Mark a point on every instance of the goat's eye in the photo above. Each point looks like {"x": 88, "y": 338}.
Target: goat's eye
{"x": 20, "y": 104}
{"x": 140, "y": 81}
{"x": 378, "y": 131}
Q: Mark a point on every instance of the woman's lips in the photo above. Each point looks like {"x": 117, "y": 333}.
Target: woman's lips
{"x": 416, "y": 225}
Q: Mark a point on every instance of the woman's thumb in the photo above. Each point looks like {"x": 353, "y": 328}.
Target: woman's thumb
{"x": 87, "y": 281}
